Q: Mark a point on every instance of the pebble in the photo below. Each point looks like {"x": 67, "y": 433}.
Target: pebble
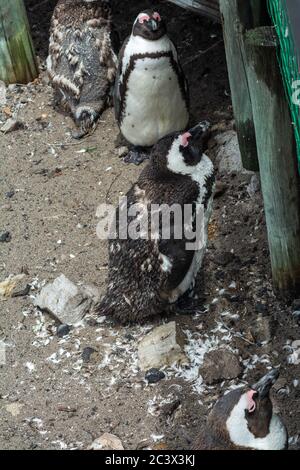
{"x": 10, "y": 194}
{"x": 10, "y": 126}
{"x": 5, "y": 237}
{"x": 63, "y": 330}
{"x": 254, "y": 185}
{"x": 107, "y": 442}
{"x": 223, "y": 259}
{"x": 218, "y": 365}
{"x": 154, "y": 375}
{"x": 87, "y": 353}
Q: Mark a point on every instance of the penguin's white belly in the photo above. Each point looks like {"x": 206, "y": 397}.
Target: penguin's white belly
{"x": 154, "y": 102}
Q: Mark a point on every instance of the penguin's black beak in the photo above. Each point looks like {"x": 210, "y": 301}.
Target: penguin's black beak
{"x": 153, "y": 25}
{"x": 200, "y": 129}
{"x": 264, "y": 385}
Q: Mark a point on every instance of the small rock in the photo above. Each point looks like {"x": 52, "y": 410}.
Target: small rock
{"x": 63, "y": 330}
{"x": 107, "y": 442}
{"x": 14, "y": 408}
{"x": 170, "y": 408}
{"x": 261, "y": 329}
{"x": 66, "y": 301}
{"x": 5, "y": 237}
{"x": 87, "y": 353}
{"x": 10, "y": 126}
{"x": 122, "y": 151}
{"x": 154, "y": 375}
{"x": 218, "y": 365}
{"x": 229, "y": 155}
{"x": 10, "y": 194}
{"x": 223, "y": 259}
{"x": 163, "y": 346}
{"x": 254, "y": 185}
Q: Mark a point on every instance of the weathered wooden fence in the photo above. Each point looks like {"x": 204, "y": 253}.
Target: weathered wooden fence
{"x": 17, "y": 58}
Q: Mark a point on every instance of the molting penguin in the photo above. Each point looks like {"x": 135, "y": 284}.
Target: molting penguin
{"x": 82, "y": 58}
{"x": 149, "y": 272}
{"x": 244, "y": 420}
{"x": 151, "y": 93}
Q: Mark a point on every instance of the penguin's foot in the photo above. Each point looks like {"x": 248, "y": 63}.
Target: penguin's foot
{"x": 136, "y": 155}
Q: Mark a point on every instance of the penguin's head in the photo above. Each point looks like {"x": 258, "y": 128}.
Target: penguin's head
{"x": 180, "y": 152}
{"x": 248, "y": 418}
{"x": 149, "y": 25}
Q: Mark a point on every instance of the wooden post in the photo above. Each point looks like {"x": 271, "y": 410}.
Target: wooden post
{"x": 277, "y": 158}
{"x": 17, "y": 59}
{"x": 236, "y": 18}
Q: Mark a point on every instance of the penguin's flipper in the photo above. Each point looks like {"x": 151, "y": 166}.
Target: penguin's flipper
{"x": 119, "y": 83}
{"x": 182, "y": 260}
{"x": 183, "y": 83}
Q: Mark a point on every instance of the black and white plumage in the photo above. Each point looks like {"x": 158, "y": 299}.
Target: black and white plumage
{"x": 244, "y": 419}
{"x": 82, "y": 58}
{"x": 151, "y": 92}
{"x": 148, "y": 274}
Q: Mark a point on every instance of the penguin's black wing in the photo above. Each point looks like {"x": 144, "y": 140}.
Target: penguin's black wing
{"x": 176, "y": 248}
{"x": 181, "y": 260}
{"x": 119, "y": 83}
{"x": 183, "y": 83}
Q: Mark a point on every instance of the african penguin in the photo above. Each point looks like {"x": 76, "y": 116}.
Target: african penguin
{"x": 82, "y": 59}
{"x": 244, "y": 419}
{"x": 151, "y": 92}
{"x": 149, "y": 272}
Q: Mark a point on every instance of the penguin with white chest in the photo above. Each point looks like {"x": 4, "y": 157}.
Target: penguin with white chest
{"x": 150, "y": 271}
{"x": 244, "y": 419}
{"x": 151, "y": 92}
{"x": 82, "y": 59}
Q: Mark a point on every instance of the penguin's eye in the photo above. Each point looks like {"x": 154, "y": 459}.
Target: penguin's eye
{"x": 143, "y": 18}
{"x": 184, "y": 139}
{"x": 156, "y": 16}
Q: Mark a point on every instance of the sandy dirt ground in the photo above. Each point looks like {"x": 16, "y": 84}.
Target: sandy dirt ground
{"x": 50, "y": 188}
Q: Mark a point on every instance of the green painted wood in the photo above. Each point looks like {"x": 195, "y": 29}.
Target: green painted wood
{"x": 17, "y": 58}
{"x": 236, "y": 18}
{"x": 277, "y": 158}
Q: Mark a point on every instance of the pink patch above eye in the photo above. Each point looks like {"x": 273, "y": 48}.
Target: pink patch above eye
{"x": 251, "y": 402}
{"x": 156, "y": 16}
{"x": 185, "y": 139}
{"x": 143, "y": 18}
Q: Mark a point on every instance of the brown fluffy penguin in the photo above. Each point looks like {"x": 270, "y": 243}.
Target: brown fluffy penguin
{"x": 82, "y": 59}
{"x": 151, "y": 92}
{"x": 244, "y": 419}
{"x": 149, "y": 272}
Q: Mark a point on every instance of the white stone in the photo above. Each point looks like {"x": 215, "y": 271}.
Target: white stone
{"x": 66, "y": 301}
{"x": 228, "y": 154}
{"x": 163, "y": 346}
